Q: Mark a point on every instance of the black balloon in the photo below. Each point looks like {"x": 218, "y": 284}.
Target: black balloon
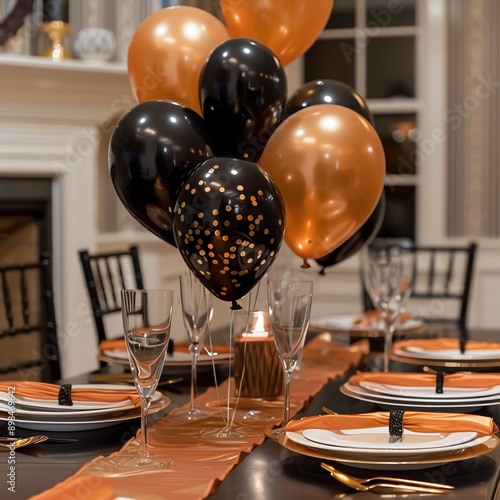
{"x": 228, "y": 225}
{"x": 327, "y": 92}
{"x": 242, "y": 95}
{"x": 153, "y": 150}
{"x": 363, "y": 236}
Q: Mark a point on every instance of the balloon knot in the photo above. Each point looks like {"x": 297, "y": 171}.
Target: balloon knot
{"x": 305, "y": 265}
{"x": 235, "y": 306}
{"x": 322, "y": 271}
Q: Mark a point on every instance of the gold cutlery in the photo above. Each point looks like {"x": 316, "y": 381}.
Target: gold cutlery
{"x": 10, "y": 442}
{"x": 327, "y": 410}
{"x": 385, "y": 482}
{"x": 20, "y": 442}
{"x": 428, "y": 369}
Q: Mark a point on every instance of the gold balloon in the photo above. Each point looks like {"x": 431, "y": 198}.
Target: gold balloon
{"x": 329, "y": 165}
{"x": 167, "y": 52}
{"x": 287, "y": 27}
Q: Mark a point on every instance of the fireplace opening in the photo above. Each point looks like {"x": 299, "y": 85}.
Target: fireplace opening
{"x": 25, "y": 219}
{"x": 25, "y": 235}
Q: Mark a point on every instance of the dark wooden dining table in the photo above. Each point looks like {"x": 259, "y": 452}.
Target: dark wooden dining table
{"x": 270, "y": 471}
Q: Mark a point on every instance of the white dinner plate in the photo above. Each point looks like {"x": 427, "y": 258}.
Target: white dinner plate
{"x": 379, "y": 461}
{"x": 23, "y": 402}
{"x": 448, "y": 354}
{"x": 452, "y": 394}
{"x": 175, "y": 359}
{"x": 377, "y": 438}
{"x": 81, "y": 414}
{"x": 74, "y": 425}
{"x": 384, "y": 454}
{"x": 389, "y": 402}
{"x": 345, "y": 322}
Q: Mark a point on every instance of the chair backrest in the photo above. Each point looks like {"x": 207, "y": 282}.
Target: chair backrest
{"x": 443, "y": 278}
{"x": 27, "y": 322}
{"x": 106, "y": 274}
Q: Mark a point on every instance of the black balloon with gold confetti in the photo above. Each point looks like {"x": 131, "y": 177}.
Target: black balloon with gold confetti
{"x": 228, "y": 225}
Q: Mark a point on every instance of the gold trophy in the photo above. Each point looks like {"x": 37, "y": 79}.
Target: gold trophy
{"x": 56, "y": 30}
{"x": 55, "y": 25}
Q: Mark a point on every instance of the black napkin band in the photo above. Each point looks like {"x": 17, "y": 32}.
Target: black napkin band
{"x": 64, "y": 397}
{"x": 396, "y": 425}
{"x": 439, "y": 382}
{"x": 170, "y": 347}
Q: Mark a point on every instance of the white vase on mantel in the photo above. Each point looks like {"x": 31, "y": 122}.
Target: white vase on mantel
{"x": 95, "y": 44}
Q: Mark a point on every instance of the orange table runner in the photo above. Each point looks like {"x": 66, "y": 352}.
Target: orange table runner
{"x": 199, "y": 464}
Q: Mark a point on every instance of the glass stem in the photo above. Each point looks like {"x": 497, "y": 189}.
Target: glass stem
{"x": 286, "y": 410}
{"x": 390, "y": 327}
{"x": 193, "y": 376}
{"x": 145, "y": 402}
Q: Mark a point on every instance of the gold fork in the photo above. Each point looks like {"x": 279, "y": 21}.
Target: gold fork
{"x": 385, "y": 482}
{"x": 327, "y": 410}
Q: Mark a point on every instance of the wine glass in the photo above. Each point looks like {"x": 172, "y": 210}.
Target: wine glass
{"x": 289, "y": 309}
{"x": 406, "y": 248}
{"x": 197, "y": 312}
{"x": 147, "y": 316}
{"x": 388, "y": 274}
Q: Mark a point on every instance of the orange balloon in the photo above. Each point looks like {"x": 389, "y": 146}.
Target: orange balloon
{"x": 329, "y": 165}
{"x": 287, "y": 27}
{"x": 167, "y": 52}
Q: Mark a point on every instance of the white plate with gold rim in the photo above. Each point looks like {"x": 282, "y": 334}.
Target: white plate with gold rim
{"x": 347, "y": 323}
{"x": 413, "y": 461}
{"x": 391, "y": 450}
{"x": 69, "y": 414}
{"x": 377, "y": 438}
{"x": 427, "y": 392}
{"x": 448, "y": 354}
{"x": 47, "y": 405}
{"x": 384, "y": 401}
{"x": 120, "y": 356}
{"x": 58, "y": 423}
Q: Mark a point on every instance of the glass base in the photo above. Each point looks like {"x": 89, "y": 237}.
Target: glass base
{"x": 189, "y": 415}
{"x": 142, "y": 464}
{"x": 275, "y": 433}
{"x": 253, "y": 416}
{"x": 224, "y": 433}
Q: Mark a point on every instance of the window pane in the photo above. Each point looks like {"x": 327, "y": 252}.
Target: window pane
{"x": 343, "y": 15}
{"x": 399, "y": 135}
{"x": 331, "y": 59}
{"x": 382, "y": 13}
{"x": 399, "y": 220}
{"x": 391, "y": 67}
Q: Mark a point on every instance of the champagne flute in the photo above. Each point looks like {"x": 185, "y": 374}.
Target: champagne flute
{"x": 406, "y": 247}
{"x": 289, "y": 309}
{"x": 197, "y": 312}
{"x": 385, "y": 280}
{"x": 147, "y": 316}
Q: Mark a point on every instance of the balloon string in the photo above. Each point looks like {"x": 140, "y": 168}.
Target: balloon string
{"x": 305, "y": 265}
{"x": 235, "y": 306}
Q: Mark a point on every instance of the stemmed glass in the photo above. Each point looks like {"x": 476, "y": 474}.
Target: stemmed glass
{"x": 289, "y": 309}
{"x": 147, "y": 316}
{"x": 197, "y": 312}
{"x": 388, "y": 274}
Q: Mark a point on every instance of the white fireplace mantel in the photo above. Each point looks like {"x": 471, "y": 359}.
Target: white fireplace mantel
{"x": 52, "y": 118}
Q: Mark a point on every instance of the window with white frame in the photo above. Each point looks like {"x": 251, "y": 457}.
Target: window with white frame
{"x": 372, "y": 45}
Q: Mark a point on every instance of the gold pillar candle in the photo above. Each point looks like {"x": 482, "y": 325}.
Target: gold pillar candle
{"x": 257, "y": 369}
